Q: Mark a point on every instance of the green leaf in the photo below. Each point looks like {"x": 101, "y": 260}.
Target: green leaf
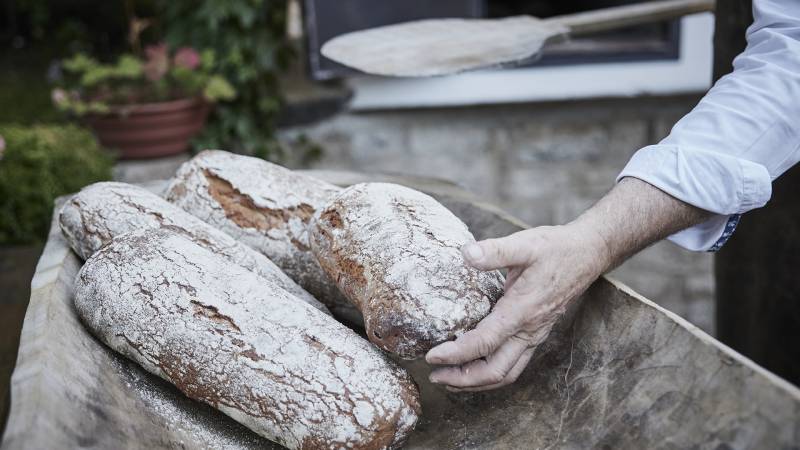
{"x": 96, "y": 75}
{"x": 97, "y": 107}
{"x": 128, "y": 66}
{"x": 218, "y": 88}
{"x": 207, "y": 59}
{"x": 79, "y": 63}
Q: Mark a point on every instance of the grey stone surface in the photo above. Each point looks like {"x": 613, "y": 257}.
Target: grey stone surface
{"x": 544, "y": 163}
{"x": 139, "y": 171}
{"x": 618, "y": 372}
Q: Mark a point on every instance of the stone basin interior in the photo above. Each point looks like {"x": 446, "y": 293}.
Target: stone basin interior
{"x": 617, "y": 372}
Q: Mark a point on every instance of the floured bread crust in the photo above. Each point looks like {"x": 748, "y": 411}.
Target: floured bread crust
{"x": 264, "y": 206}
{"x": 239, "y": 342}
{"x": 102, "y": 211}
{"x": 395, "y": 253}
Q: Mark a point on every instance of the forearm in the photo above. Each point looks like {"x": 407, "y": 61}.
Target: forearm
{"x": 549, "y": 267}
{"x": 724, "y": 155}
{"x": 633, "y": 215}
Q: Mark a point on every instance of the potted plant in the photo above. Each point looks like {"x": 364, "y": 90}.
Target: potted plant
{"x": 143, "y": 106}
{"x": 37, "y": 164}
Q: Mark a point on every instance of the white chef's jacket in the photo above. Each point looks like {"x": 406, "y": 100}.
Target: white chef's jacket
{"x": 724, "y": 154}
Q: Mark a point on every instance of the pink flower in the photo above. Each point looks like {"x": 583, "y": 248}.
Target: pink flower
{"x": 156, "y": 62}
{"x": 186, "y": 57}
{"x": 58, "y": 96}
{"x": 156, "y": 52}
{"x": 2, "y": 146}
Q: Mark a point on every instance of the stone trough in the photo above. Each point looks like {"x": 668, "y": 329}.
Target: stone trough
{"x": 617, "y": 372}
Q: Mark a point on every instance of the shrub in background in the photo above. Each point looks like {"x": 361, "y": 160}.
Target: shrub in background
{"x": 248, "y": 37}
{"x": 38, "y": 164}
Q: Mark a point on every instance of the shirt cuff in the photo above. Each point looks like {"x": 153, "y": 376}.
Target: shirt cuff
{"x": 719, "y": 183}
{"x": 709, "y": 236}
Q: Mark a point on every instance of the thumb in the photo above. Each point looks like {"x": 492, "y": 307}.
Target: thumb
{"x": 498, "y": 253}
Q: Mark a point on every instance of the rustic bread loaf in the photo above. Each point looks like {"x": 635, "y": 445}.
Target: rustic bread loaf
{"x": 265, "y": 206}
{"x": 395, "y": 253}
{"x": 239, "y": 342}
{"x": 101, "y": 211}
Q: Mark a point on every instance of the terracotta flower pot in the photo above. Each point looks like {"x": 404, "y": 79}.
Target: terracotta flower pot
{"x": 150, "y": 130}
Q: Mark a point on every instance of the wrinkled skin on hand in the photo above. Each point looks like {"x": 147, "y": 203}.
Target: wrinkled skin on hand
{"x": 548, "y": 267}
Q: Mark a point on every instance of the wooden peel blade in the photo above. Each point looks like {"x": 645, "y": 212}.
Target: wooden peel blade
{"x": 447, "y": 46}
{"x": 441, "y": 46}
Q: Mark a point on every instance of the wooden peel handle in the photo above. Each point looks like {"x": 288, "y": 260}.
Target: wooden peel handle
{"x": 628, "y": 15}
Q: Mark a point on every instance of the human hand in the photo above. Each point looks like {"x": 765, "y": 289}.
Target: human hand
{"x": 548, "y": 268}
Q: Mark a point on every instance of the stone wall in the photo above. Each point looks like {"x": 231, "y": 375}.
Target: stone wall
{"x": 545, "y": 163}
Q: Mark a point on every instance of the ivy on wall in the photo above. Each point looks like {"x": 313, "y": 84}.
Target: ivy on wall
{"x": 248, "y": 37}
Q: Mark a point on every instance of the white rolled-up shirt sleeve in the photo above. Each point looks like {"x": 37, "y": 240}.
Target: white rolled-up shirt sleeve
{"x": 723, "y": 156}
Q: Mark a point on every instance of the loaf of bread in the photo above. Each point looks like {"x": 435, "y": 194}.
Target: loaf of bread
{"x": 264, "y": 206}
{"x": 102, "y": 211}
{"x": 239, "y": 342}
{"x": 395, "y": 253}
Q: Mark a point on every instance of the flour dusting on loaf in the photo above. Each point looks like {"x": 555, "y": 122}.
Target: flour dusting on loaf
{"x": 102, "y": 211}
{"x": 265, "y": 206}
{"x": 239, "y": 342}
{"x": 395, "y": 253}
